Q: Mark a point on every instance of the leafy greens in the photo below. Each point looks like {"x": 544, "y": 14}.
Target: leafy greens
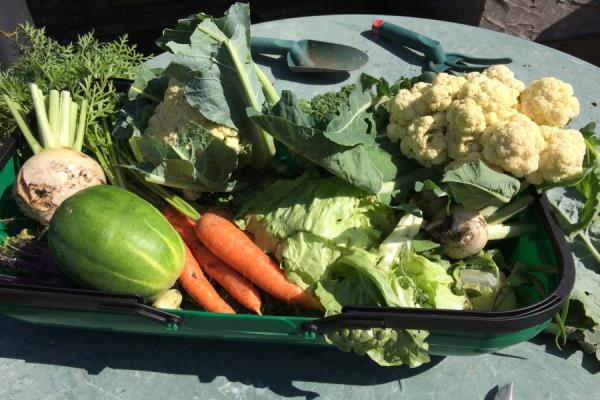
{"x": 475, "y": 185}
{"x": 328, "y": 236}
{"x": 347, "y": 146}
{"x": 213, "y": 71}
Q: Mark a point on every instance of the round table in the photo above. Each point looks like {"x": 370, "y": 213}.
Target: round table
{"x": 50, "y": 363}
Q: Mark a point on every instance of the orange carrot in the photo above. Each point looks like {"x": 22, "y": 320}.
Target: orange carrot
{"x": 230, "y": 244}
{"x": 220, "y": 212}
{"x": 199, "y": 288}
{"x": 232, "y": 281}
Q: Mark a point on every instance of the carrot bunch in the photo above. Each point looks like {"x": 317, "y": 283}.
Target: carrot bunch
{"x": 230, "y": 257}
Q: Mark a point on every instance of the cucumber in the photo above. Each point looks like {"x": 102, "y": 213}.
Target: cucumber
{"x": 107, "y": 238}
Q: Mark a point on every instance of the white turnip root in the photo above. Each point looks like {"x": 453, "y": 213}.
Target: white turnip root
{"x": 58, "y": 168}
{"x": 52, "y": 175}
{"x": 464, "y": 233}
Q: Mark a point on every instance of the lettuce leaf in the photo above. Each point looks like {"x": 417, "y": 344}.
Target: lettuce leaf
{"x": 353, "y": 279}
{"x": 326, "y": 207}
{"x": 305, "y": 257}
{"x": 433, "y": 281}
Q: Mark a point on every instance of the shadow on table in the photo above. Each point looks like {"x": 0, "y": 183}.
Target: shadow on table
{"x": 280, "y": 70}
{"x": 398, "y": 50}
{"x": 588, "y": 362}
{"x": 275, "y": 367}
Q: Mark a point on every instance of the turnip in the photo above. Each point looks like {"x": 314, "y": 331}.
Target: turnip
{"x": 464, "y": 233}
{"x": 58, "y": 168}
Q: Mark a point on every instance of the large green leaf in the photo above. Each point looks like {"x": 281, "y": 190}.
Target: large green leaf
{"x": 352, "y": 123}
{"x": 366, "y": 166}
{"x": 589, "y": 186}
{"x": 218, "y": 78}
{"x": 475, "y": 185}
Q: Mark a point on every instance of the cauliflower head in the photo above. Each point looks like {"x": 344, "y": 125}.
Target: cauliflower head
{"x": 514, "y": 145}
{"x": 174, "y": 113}
{"x": 562, "y": 157}
{"x": 549, "y": 101}
{"x": 494, "y": 117}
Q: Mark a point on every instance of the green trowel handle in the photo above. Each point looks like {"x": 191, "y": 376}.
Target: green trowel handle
{"x": 267, "y": 45}
{"x": 430, "y": 48}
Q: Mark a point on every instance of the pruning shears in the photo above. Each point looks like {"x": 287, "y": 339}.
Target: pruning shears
{"x": 437, "y": 60}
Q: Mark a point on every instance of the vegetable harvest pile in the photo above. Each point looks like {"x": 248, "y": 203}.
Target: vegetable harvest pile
{"x": 218, "y": 193}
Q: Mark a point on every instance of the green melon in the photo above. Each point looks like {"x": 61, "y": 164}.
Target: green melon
{"x": 107, "y": 238}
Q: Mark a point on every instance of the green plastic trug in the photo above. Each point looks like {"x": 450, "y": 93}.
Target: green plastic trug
{"x": 172, "y": 326}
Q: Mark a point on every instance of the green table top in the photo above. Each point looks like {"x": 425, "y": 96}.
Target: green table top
{"x": 38, "y": 362}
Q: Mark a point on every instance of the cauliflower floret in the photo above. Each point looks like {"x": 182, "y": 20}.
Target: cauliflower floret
{"x": 466, "y": 121}
{"x": 395, "y": 132}
{"x": 408, "y": 105}
{"x": 496, "y": 99}
{"x": 465, "y": 118}
{"x": 442, "y": 91}
{"x": 174, "y": 113}
{"x": 513, "y": 145}
{"x": 562, "y": 158}
{"x": 549, "y": 101}
{"x": 461, "y": 146}
{"x": 503, "y": 74}
{"x": 425, "y": 140}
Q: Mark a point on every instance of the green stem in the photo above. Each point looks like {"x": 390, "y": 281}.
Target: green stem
{"x": 582, "y": 236}
{"x": 81, "y": 127}
{"x": 64, "y": 119}
{"x": 54, "y": 113}
{"x": 510, "y": 210}
{"x": 177, "y": 202}
{"x": 500, "y": 231}
{"x": 174, "y": 183}
{"x": 23, "y": 126}
{"x": 42, "y": 118}
{"x": 590, "y": 246}
{"x": 488, "y": 211}
{"x": 263, "y": 144}
{"x": 144, "y": 94}
{"x": 270, "y": 93}
{"x": 561, "y": 319}
{"x": 73, "y": 122}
